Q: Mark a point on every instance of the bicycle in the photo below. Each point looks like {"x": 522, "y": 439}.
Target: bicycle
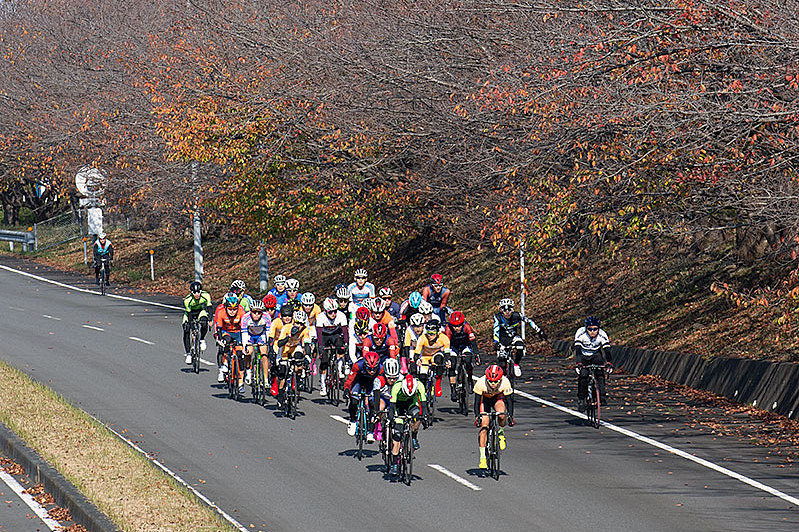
{"x": 258, "y": 381}
{"x": 194, "y": 342}
{"x": 406, "y": 450}
{"x": 291, "y": 394}
{"x": 492, "y": 443}
{"x": 104, "y": 261}
{"x": 462, "y": 380}
{"x": 234, "y": 368}
{"x": 384, "y": 447}
{"x": 361, "y": 426}
{"x": 332, "y": 379}
{"x": 592, "y": 403}
{"x": 505, "y": 361}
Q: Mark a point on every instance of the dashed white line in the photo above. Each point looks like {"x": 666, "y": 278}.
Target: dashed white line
{"x": 92, "y": 327}
{"x": 207, "y": 362}
{"x": 49, "y": 317}
{"x": 142, "y": 340}
{"x": 339, "y": 418}
{"x": 456, "y": 478}
{"x": 16, "y": 308}
{"x": 30, "y": 501}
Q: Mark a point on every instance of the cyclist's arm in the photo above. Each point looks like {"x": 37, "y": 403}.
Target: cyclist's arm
{"x": 351, "y": 377}
{"x": 532, "y": 324}
{"x": 496, "y": 329}
{"x": 578, "y": 353}
{"x": 478, "y": 404}
{"x": 444, "y": 297}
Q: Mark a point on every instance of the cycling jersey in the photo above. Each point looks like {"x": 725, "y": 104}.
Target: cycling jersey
{"x": 393, "y": 308}
{"x": 425, "y": 348}
{"x": 387, "y": 349}
{"x": 223, "y": 322}
{"x": 255, "y": 332}
{"x": 387, "y": 320}
{"x": 587, "y": 347}
{"x": 505, "y": 330}
{"x": 245, "y": 302}
{"x": 359, "y": 294}
{"x": 463, "y": 339}
{"x": 196, "y": 307}
{"x": 275, "y": 328}
{"x": 481, "y": 387}
{"x": 406, "y": 311}
{"x": 279, "y": 296}
{"x": 101, "y": 251}
{"x": 400, "y": 403}
{"x": 437, "y": 299}
{"x": 288, "y": 343}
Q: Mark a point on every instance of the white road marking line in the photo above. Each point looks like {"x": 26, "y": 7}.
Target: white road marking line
{"x": 64, "y": 285}
{"x": 185, "y": 484}
{"x": 49, "y": 317}
{"x": 456, "y": 478}
{"x": 207, "y": 363}
{"x": 92, "y": 327}
{"x": 142, "y": 340}
{"x": 37, "y": 508}
{"x": 670, "y": 449}
{"x": 339, "y": 418}
{"x": 16, "y": 308}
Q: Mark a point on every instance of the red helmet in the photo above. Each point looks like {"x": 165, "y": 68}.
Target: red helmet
{"x": 456, "y": 318}
{"x": 436, "y": 278}
{"x": 493, "y": 373}
{"x": 362, "y": 313}
{"x": 409, "y": 385}
{"x": 372, "y": 361}
{"x": 380, "y": 330}
{"x": 270, "y": 301}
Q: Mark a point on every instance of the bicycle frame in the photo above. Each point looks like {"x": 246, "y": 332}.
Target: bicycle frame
{"x": 592, "y": 406}
{"x": 492, "y": 449}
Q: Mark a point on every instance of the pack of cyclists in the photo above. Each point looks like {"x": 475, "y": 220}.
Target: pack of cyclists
{"x": 392, "y": 353}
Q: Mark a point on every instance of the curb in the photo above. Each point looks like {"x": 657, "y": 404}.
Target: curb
{"x": 65, "y": 494}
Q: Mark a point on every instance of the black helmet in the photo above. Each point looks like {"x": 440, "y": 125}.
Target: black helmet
{"x": 286, "y": 310}
{"x": 591, "y": 321}
{"x": 196, "y": 287}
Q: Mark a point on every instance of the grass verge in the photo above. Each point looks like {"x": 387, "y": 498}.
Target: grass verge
{"x": 121, "y": 482}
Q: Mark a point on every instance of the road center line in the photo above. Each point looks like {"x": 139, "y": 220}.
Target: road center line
{"x": 37, "y": 508}
{"x": 16, "y": 308}
{"x": 339, "y": 418}
{"x": 135, "y": 339}
{"x": 49, "y": 317}
{"x": 92, "y": 327}
{"x": 456, "y": 478}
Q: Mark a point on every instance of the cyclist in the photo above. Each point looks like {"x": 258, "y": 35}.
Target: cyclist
{"x": 463, "y": 343}
{"x": 426, "y": 310}
{"x": 345, "y": 303}
{"x": 381, "y": 342}
{"x": 295, "y": 348}
{"x": 195, "y": 307}
{"x": 239, "y": 288}
{"x": 255, "y": 327}
{"x": 360, "y": 331}
{"x": 591, "y": 348}
{"x": 227, "y": 319}
{"x": 286, "y": 318}
{"x": 378, "y": 314}
{"x": 279, "y": 290}
{"x": 409, "y": 307}
{"x": 490, "y": 391}
{"x": 332, "y": 334}
{"x": 270, "y": 306}
{"x": 412, "y": 335}
{"x": 293, "y": 291}
{"x": 507, "y": 332}
{"x": 382, "y": 392}
{"x": 360, "y": 289}
{"x": 361, "y": 379}
{"x": 437, "y": 295}
{"x": 102, "y": 249}
{"x": 432, "y": 350}
{"x": 392, "y": 307}
{"x": 408, "y": 398}
{"x": 312, "y": 310}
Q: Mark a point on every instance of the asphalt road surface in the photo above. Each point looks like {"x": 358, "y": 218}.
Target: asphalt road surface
{"x": 122, "y": 362}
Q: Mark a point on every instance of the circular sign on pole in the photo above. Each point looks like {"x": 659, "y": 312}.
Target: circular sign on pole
{"x": 90, "y": 181}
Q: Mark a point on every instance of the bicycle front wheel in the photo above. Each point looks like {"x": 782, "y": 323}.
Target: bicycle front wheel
{"x": 195, "y": 352}
{"x": 408, "y": 456}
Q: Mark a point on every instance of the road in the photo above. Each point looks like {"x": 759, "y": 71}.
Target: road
{"x": 122, "y": 362}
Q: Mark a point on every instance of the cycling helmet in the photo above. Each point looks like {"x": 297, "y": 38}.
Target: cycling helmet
{"x": 425, "y": 307}
{"x": 257, "y": 304}
{"x": 280, "y": 279}
{"x": 409, "y": 385}
{"x": 416, "y": 320}
{"x": 293, "y": 285}
{"x": 436, "y": 278}
{"x": 361, "y": 327}
{"x": 361, "y": 272}
{"x": 195, "y": 287}
{"x": 506, "y": 304}
{"x": 372, "y": 361}
{"x": 286, "y": 311}
{"x": 591, "y": 321}
{"x": 362, "y": 313}
{"x": 432, "y": 326}
{"x": 270, "y": 301}
{"x": 238, "y": 285}
{"x": 380, "y": 330}
{"x": 493, "y": 373}
{"x": 101, "y": 236}
{"x": 340, "y": 285}
{"x": 293, "y": 304}
{"x": 330, "y": 305}
{"x": 378, "y": 305}
{"x": 301, "y": 317}
{"x": 342, "y": 292}
{"x": 415, "y": 299}
{"x": 231, "y": 300}
{"x": 456, "y": 318}
{"x": 391, "y": 368}
{"x": 385, "y": 292}
{"x": 308, "y": 299}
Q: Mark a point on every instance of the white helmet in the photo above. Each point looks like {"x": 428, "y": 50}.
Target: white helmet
{"x": 506, "y": 304}
{"x": 257, "y": 304}
{"x": 280, "y": 279}
{"x": 343, "y": 293}
{"x": 378, "y": 305}
{"x": 300, "y": 317}
{"x": 425, "y": 307}
{"x": 308, "y": 299}
{"x": 361, "y": 272}
{"x": 293, "y": 285}
{"x": 416, "y": 320}
{"x": 330, "y": 305}
{"x": 391, "y": 368}
{"x": 385, "y": 292}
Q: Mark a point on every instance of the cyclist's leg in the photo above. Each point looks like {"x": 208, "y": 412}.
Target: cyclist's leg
{"x": 186, "y": 334}
{"x": 452, "y": 372}
{"x": 264, "y": 361}
{"x": 203, "y": 318}
{"x": 600, "y": 380}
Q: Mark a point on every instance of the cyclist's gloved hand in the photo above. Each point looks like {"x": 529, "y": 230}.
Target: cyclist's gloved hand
{"x": 609, "y": 367}
{"x": 511, "y": 421}
{"x": 542, "y": 335}
{"x": 295, "y": 330}
{"x": 578, "y": 368}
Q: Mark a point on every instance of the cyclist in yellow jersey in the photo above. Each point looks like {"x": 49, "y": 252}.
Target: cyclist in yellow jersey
{"x": 286, "y": 317}
{"x": 432, "y": 350}
{"x": 490, "y": 392}
{"x": 294, "y": 344}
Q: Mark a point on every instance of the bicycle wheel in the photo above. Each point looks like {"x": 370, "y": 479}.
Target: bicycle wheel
{"x": 231, "y": 380}
{"x": 102, "y": 279}
{"x": 261, "y": 382}
{"x": 360, "y": 431}
{"x": 334, "y": 390}
{"x": 294, "y": 396}
{"x": 195, "y": 349}
{"x": 407, "y": 452}
{"x": 592, "y": 404}
{"x": 235, "y": 373}
{"x": 597, "y": 406}
{"x": 462, "y": 387}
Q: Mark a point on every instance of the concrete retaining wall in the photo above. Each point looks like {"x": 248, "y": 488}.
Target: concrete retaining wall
{"x": 771, "y": 386}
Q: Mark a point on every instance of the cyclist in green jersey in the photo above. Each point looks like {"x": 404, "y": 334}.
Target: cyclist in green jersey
{"x": 195, "y": 306}
{"x": 407, "y": 398}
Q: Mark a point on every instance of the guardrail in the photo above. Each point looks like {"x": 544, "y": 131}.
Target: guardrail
{"x": 26, "y": 238}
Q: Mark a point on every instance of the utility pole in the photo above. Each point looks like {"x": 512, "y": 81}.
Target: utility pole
{"x": 522, "y": 281}
{"x": 198, "y": 244}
